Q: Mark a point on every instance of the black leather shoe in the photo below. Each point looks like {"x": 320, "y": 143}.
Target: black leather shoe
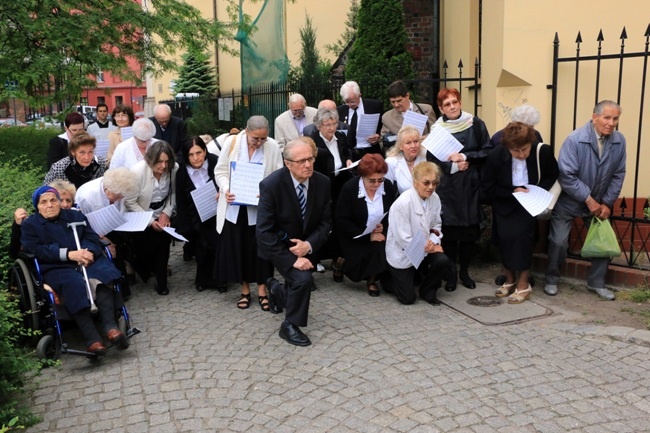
{"x": 468, "y": 282}
{"x": 163, "y": 291}
{"x": 199, "y": 288}
{"x": 293, "y": 335}
{"x": 500, "y": 280}
{"x": 450, "y": 286}
{"x": 271, "y": 290}
{"x": 434, "y": 301}
{"x": 222, "y": 287}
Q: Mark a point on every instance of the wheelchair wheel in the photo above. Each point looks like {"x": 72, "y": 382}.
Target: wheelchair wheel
{"x": 21, "y": 283}
{"x": 121, "y": 325}
{"x": 47, "y": 348}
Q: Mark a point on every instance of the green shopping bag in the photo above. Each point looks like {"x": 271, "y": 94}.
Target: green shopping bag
{"x": 601, "y": 240}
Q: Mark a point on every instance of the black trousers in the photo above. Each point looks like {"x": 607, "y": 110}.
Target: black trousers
{"x": 151, "y": 250}
{"x": 294, "y": 295}
{"x": 401, "y": 282}
{"x": 106, "y": 306}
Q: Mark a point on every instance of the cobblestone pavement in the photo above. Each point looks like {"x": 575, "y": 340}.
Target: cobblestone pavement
{"x": 202, "y": 365}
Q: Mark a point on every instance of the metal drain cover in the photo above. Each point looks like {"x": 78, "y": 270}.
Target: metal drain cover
{"x": 485, "y": 301}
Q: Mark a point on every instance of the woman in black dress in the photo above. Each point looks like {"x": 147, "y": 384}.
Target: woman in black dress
{"x": 509, "y": 169}
{"x": 197, "y": 169}
{"x": 361, "y": 199}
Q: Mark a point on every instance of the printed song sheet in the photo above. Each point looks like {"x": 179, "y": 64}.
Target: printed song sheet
{"x": 101, "y": 149}
{"x": 366, "y": 127}
{"x": 205, "y": 200}
{"x": 416, "y": 119}
{"x": 415, "y": 249}
{"x": 535, "y": 201}
{"x": 245, "y": 178}
{"x": 441, "y": 143}
{"x": 371, "y": 225}
{"x": 171, "y": 231}
{"x": 127, "y": 132}
{"x": 350, "y": 167}
{"x": 136, "y": 221}
{"x": 105, "y": 220}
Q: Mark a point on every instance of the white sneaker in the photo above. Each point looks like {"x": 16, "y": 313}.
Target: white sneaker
{"x": 603, "y": 293}
{"x": 551, "y": 289}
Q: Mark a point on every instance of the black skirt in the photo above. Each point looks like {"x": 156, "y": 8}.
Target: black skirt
{"x": 237, "y": 260}
{"x": 516, "y": 238}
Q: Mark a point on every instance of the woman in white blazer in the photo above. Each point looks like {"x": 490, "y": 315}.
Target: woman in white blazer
{"x": 415, "y": 216}
{"x": 237, "y": 260}
{"x": 404, "y": 156}
{"x": 156, "y": 175}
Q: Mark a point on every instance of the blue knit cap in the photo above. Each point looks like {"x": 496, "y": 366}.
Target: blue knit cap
{"x": 42, "y": 190}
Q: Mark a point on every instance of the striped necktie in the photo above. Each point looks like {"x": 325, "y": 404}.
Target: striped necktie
{"x": 302, "y": 201}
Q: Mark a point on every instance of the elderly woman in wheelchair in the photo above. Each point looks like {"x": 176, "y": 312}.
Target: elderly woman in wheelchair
{"x": 72, "y": 264}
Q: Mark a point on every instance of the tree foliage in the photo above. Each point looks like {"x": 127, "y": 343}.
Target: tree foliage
{"x": 348, "y": 34}
{"x": 378, "y": 55}
{"x": 196, "y": 75}
{"x": 311, "y": 75}
{"x": 52, "y": 48}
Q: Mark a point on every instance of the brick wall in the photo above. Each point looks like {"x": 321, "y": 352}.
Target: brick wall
{"x": 418, "y": 21}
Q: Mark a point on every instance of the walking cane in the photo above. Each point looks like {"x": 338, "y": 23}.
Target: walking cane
{"x": 73, "y": 226}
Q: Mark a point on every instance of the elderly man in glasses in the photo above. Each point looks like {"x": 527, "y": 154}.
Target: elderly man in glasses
{"x": 290, "y": 124}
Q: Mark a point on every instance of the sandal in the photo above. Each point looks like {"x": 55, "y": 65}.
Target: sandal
{"x": 373, "y": 290}
{"x": 264, "y": 303}
{"x": 520, "y": 295}
{"x": 244, "y": 302}
{"x": 505, "y": 290}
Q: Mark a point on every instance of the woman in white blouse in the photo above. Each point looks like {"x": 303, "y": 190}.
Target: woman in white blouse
{"x": 404, "y": 156}
{"x": 237, "y": 259}
{"x": 156, "y": 175}
{"x": 129, "y": 152}
{"x": 415, "y": 217}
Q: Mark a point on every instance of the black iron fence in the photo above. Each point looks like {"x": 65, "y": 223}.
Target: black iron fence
{"x": 587, "y": 78}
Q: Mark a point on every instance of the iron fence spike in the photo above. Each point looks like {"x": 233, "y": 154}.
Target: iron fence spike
{"x": 600, "y": 36}
{"x": 623, "y": 34}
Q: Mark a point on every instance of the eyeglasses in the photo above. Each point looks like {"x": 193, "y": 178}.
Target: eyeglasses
{"x": 451, "y": 103}
{"x": 298, "y": 112}
{"x": 121, "y": 116}
{"x": 302, "y": 161}
{"x": 428, "y": 183}
{"x": 374, "y": 181}
{"x": 257, "y": 139}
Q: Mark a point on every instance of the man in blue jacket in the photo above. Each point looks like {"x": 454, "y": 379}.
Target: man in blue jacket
{"x": 592, "y": 170}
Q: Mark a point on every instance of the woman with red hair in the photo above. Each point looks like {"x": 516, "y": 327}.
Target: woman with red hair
{"x": 462, "y": 213}
{"x": 362, "y": 200}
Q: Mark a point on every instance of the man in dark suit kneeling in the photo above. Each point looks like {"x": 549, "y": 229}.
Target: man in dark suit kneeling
{"x": 293, "y": 223}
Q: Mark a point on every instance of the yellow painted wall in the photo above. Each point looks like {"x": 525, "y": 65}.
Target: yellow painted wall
{"x": 517, "y": 60}
{"x": 328, "y": 17}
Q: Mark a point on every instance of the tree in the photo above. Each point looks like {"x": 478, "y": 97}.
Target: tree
{"x": 378, "y": 55}
{"x": 311, "y": 75}
{"x": 348, "y": 34}
{"x": 196, "y": 75}
{"x": 54, "y": 47}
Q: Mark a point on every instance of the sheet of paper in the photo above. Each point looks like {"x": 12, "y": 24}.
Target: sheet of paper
{"x": 372, "y": 223}
{"x": 172, "y": 232}
{"x": 245, "y": 178}
{"x": 441, "y": 143}
{"x": 416, "y": 119}
{"x": 415, "y": 249}
{"x": 205, "y": 200}
{"x": 351, "y": 166}
{"x": 366, "y": 127}
{"x": 136, "y": 221}
{"x": 101, "y": 149}
{"x": 535, "y": 201}
{"x": 127, "y": 132}
{"x": 106, "y": 220}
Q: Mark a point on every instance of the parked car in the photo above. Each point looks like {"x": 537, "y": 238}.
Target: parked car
{"x": 43, "y": 123}
{"x": 9, "y": 121}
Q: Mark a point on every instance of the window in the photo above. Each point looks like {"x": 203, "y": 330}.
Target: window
{"x": 101, "y": 100}
{"x": 100, "y": 76}
{"x": 118, "y": 100}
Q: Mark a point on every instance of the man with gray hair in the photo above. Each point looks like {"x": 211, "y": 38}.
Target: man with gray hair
{"x": 352, "y": 108}
{"x": 169, "y": 128}
{"x": 291, "y": 124}
{"x": 592, "y": 170}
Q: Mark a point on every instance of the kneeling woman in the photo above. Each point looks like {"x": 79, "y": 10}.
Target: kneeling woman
{"x": 416, "y": 210}
{"x": 48, "y": 235}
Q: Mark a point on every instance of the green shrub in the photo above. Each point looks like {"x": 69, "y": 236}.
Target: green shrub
{"x": 29, "y": 142}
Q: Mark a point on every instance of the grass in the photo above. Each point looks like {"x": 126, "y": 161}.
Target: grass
{"x": 643, "y": 314}
{"x": 640, "y": 295}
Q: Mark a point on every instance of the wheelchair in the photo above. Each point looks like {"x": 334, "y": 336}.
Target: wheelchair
{"x": 44, "y": 311}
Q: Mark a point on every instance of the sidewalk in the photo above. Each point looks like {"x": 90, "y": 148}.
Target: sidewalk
{"x": 202, "y": 365}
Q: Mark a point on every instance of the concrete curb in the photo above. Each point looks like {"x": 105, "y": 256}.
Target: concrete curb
{"x": 619, "y": 333}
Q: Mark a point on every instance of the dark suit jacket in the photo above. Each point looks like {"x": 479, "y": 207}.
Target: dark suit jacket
{"x": 370, "y": 106}
{"x": 175, "y": 133}
{"x": 279, "y": 211}
{"x": 325, "y": 162}
{"x": 496, "y": 176}
{"x": 57, "y": 150}
{"x": 187, "y": 217}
